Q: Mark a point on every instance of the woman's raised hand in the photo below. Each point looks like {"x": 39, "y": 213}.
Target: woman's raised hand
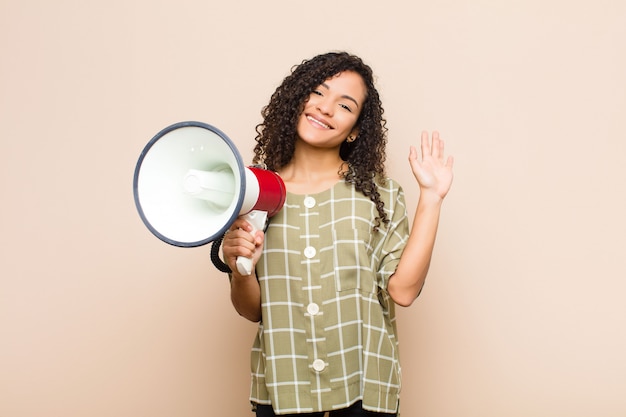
{"x": 432, "y": 171}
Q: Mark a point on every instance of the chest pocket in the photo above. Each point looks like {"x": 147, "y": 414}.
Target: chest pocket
{"x": 352, "y": 260}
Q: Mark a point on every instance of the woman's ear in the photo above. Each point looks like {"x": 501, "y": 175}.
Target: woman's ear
{"x": 353, "y": 135}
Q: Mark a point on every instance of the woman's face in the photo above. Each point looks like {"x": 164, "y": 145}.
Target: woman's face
{"x": 332, "y": 110}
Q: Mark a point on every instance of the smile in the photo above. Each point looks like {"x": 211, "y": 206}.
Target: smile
{"x": 317, "y": 122}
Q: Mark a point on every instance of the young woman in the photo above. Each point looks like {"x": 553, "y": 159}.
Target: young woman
{"x": 334, "y": 261}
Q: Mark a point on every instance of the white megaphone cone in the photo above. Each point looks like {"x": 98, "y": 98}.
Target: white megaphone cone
{"x": 190, "y": 185}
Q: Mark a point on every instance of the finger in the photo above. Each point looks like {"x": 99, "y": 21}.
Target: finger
{"x": 240, "y": 223}
{"x": 425, "y": 144}
{"x": 239, "y": 237}
{"x": 437, "y": 146}
{"x": 239, "y": 245}
{"x": 259, "y": 237}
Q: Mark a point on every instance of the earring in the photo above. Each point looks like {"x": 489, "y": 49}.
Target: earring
{"x": 351, "y": 138}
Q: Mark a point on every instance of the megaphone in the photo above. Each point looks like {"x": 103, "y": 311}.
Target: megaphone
{"x": 190, "y": 185}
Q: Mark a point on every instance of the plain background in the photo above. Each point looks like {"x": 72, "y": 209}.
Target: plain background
{"x": 523, "y": 313}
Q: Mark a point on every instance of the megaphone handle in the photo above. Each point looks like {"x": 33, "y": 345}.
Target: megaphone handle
{"x": 257, "y": 219}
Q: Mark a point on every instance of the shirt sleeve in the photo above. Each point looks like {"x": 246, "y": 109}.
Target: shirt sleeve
{"x": 395, "y": 233}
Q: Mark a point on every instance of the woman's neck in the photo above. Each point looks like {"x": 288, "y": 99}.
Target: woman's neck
{"x": 312, "y": 171}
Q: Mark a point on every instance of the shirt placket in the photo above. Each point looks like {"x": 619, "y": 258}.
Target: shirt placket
{"x": 313, "y": 311}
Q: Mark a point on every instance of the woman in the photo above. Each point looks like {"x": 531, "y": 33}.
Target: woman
{"x": 338, "y": 256}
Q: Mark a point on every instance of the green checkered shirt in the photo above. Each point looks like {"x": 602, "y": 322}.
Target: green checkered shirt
{"x": 327, "y": 337}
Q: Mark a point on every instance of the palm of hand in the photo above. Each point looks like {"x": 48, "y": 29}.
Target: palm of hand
{"x": 433, "y": 173}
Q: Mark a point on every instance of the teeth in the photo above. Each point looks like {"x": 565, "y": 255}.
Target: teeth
{"x": 318, "y": 122}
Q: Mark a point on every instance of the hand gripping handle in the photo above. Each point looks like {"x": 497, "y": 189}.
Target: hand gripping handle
{"x": 257, "y": 219}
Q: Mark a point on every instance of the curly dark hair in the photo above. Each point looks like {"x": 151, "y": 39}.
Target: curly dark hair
{"x": 365, "y": 156}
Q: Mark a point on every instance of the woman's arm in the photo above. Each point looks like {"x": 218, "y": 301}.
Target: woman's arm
{"x": 434, "y": 176}
{"x": 245, "y": 292}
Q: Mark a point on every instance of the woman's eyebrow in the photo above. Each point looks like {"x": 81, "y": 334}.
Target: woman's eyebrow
{"x": 347, "y": 97}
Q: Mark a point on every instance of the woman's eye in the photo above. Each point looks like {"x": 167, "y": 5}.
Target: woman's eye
{"x": 346, "y": 107}
{"x": 317, "y": 92}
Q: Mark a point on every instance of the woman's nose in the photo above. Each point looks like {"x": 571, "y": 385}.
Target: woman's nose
{"x": 325, "y": 107}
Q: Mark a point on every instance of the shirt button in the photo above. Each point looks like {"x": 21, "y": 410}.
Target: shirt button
{"x": 319, "y": 365}
{"x": 309, "y": 202}
{"x": 309, "y": 252}
{"x": 313, "y": 309}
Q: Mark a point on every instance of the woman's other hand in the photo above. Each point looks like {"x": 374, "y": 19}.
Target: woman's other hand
{"x": 433, "y": 172}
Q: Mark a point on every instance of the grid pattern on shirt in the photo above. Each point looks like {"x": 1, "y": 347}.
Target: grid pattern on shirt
{"x": 328, "y": 336}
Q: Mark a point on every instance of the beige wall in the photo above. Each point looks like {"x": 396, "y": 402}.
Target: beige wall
{"x": 523, "y": 313}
